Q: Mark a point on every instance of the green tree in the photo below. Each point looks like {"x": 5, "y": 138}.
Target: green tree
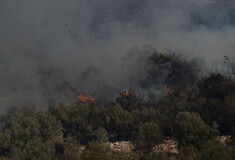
{"x": 101, "y": 135}
{"x": 190, "y": 129}
{"x": 187, "y": 153}
{"x": 230, "y": 119}
{"x": 30, "y": 134}
{"x": 97, "y": 151}
{"x": 72, "y": 149}
{"x": 215, "y": 91}
{"x": 216, "y": 151}
{"x": 170, "y": 69}
{"x": 216, "y": 86}
{"x": 75, "y": 120}
{"x": 128, "y": 100}
{"x": 118, "y": 122}
{"x": 147, "y": 136}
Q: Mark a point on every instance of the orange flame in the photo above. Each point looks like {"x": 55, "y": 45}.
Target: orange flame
{"x": 84, "y": 98}
{"x": 167, "y": 92}
{"x": 125, "y": 93}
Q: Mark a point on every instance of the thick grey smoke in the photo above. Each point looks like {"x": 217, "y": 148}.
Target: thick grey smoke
{"x": 52, "y": 49}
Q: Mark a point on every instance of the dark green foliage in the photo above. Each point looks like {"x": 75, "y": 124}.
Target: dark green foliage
{"x": 118, "y": 122}
{"x": 187, "y": 153}
{"x": 157, "y": 156}
{"x": 147, "y": 136}
{"x": 217, "y": 90}
{"x": 230, "y": 119}
{"x": 74, "y": 119}
{"x": 146, "y": 115}
{"x": 216, "y": 86}
{"x": 128, "y": 100}
{"x": 101, "y": 135}
{"x": 190, "y": 129}
{"x": 216, "y": 151}
{"x": 97, "y": 151}
{"x": 170, "y": 69}
{"x": 30, "y": 134}
{"x": 72, "y": 149}
{"x": 153, "y": 115}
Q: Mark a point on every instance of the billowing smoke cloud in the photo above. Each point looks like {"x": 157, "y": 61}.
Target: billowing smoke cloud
{"x": 52, "y": 49}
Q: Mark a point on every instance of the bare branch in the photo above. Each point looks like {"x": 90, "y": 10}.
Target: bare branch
{"x": 230, "y": 64}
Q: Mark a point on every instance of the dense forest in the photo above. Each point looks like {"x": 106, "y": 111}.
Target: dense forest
{"x": 192, "y": 109}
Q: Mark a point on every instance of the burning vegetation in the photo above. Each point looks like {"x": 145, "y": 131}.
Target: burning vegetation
{"x": 127, "y": 93}
{"x": 168, "y": 92}
{"x": 84, "y": 98}
{"x": 177, "y": 109}
{"x": 129, "y": 99}
{"x": 187, "y": 113}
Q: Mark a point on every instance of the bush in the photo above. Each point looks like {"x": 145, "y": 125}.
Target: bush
{"x": 98, "y": 151}
{"x": 30, "y": 134}
{"x": 147, "y": 136}
{"x": 216, "y": 151}
{"x": 190, "y": 129}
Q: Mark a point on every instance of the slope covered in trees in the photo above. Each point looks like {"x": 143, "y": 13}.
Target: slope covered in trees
{"x": 193, "y": 110}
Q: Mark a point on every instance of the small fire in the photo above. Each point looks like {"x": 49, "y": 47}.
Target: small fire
{"x": 126, "y": 93}
{"x": 84, "y": 98}
{"x": 167, "y": 92}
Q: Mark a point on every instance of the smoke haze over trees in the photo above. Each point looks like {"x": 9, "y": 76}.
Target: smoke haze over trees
{"x": 80, "y": 76}
{"x": 52, "y": 49}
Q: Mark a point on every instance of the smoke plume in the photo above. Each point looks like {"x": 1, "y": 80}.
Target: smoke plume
{"x": 50, "y": 50}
